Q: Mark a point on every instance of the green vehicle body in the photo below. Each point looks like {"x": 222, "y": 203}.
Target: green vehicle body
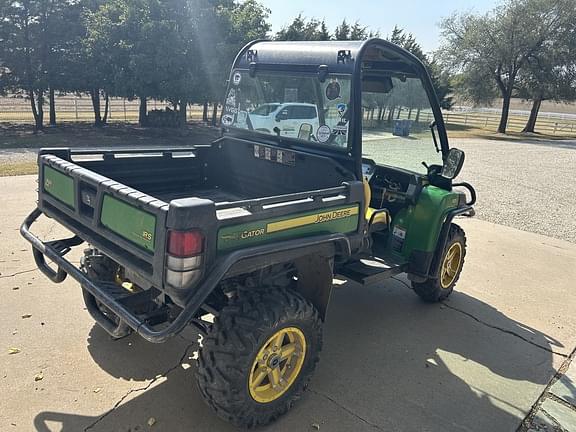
{"x": 128, "y": 221}
{"x": 60, "y": 186}
{"x": 423, "y": 221}
{"x": 267, "y": 210}
{"x": 111, "y": 201}
{"x": 328, "y": 221}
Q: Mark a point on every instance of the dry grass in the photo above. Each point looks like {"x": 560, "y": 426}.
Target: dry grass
{"x": 17, "y": 168}
{"x": 114, "y": 135}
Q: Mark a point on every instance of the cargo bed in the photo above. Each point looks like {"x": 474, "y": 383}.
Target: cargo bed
{"x": 125, "y": 201}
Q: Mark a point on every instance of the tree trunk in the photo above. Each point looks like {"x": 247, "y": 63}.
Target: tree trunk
{"x": 95, "y": 96}
{"x": 391, "y": 114}
{"x": 505, "y": 113}
{"x": 37, "y": 120}
{"x": 40, "y": 108}
{"x": 106, "y": 108}
{"x": 143, "y": 111}
{"x": 398, "y": 115}
{"x": 52, "y": 103}
{"x": 205, "y": 111}
{"x": 417, "y": 115}
{"x": 215, "y": 114}
{"x": 531, "y": 124}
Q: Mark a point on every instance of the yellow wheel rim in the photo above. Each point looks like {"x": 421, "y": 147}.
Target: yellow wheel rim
{"x": 450, "y": 265}
{"x": 277, "y": 365}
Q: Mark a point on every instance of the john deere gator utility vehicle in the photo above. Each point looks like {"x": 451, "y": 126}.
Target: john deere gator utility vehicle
{"x": 333, "y": 160}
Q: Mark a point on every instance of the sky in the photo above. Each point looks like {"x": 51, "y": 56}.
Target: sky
{"x": 419, "y": 17}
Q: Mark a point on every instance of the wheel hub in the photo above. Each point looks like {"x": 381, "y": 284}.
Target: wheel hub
{"x": 274, "y": 362}
{"x": 450, "y": 265}
{"x": 277, "y": 365}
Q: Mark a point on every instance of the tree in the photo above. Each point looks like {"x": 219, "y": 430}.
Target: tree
{"x": 407, "y": 41}
{"x": 358, "y": 32}
{"x": 301, "y": 29}
{"x": 24, "y": 47}
{"x": 101, "y": 54}
{"x": 441, "y": 79}
{"x": 221, "y": 29}
{"x": 342, "y": 31}
{"x": 550, "y": 74}
{"x": 472, "y": 86}
{"x": 323, "y": 33}
{"x": 499, "y": 44}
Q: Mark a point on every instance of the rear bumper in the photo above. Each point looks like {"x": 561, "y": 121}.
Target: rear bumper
{"x": 55, "y": 251}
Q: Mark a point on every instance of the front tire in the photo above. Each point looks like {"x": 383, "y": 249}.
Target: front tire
{"x": 259, "y": 356}
{"x": 451, "y": 262}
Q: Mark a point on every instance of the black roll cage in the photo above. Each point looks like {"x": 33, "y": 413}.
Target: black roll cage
{"x": 327, "y": 58}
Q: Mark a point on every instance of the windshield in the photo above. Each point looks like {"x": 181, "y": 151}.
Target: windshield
{"x": 290, "y": 105}
{"x": 396, "y": 115}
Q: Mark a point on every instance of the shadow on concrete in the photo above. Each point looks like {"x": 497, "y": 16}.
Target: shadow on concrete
{"x": 389, "y": 363}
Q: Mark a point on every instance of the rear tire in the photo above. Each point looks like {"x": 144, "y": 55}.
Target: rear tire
{"x": 263, "y": 337}
{"x": 451, "y": 262}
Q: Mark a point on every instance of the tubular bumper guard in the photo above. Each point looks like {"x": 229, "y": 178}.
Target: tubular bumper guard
{"x": 55, "y": 251}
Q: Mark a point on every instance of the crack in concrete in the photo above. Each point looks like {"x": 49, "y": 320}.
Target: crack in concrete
{"x": 503, "y": 330}
{"x": 510, "y": 332}
{"x": 345, "y": 408}
{"x": 561, "y": 401}
{"x": 139, "y": 389}
{"x": 557, "y": 426}
{"x": 527, "y": 422}
{"x": 18, "y": 273}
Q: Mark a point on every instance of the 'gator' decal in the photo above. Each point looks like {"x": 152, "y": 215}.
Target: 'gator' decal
{"x": 334, "y": 220}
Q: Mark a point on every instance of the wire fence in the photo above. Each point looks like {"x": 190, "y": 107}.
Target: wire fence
{"x": 547, "y": 123}
{"x": 78, "y": 108}
{"x": 463, "y": 118}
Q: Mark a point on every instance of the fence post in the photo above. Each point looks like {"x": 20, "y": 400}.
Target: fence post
{"x": 486, "y": 122}
{"x": 76, "y": 107}
{"x": 447, "y": 117}
{"x": 555, "y": 127}
{"x": 465, "y": 119}
{"x": 110, "y": 109}
{"x": 124, "y": 104}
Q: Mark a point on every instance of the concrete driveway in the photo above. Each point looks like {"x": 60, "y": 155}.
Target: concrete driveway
{"x": 479, "y": 362}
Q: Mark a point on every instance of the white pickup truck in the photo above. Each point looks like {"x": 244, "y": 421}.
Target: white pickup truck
{"x": 287, "y": 117}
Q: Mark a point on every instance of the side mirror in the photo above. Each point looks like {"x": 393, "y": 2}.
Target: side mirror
{"x": 453, "y": 163}
{"x": 305, "y": 132}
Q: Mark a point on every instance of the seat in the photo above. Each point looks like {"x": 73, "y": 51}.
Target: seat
{"x": 382, "y": 216}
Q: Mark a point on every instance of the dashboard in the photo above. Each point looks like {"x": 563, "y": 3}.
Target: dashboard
{"x": 391, "y": 186}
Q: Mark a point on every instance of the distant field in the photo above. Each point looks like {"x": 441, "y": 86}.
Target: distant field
{"x": 547, "y": 106}
{"x": 76, "y": 108}
{"x": 555, "y": 120}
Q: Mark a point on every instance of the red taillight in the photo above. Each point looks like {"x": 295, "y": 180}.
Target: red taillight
{"x": 185, "y": 243}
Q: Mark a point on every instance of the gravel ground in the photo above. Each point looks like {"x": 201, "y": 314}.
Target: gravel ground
{"x": 526, "y": 185}
{"x": 17, "y": 155}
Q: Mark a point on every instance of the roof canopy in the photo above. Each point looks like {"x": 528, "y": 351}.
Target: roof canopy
{"x": 336, "y": 56}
